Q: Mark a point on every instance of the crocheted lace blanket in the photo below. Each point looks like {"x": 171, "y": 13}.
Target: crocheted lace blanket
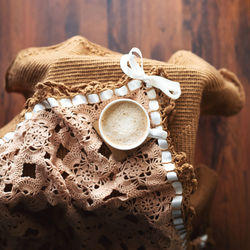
{"x": 61, "y": 187}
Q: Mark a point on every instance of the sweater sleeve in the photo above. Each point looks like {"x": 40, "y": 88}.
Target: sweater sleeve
{"x": 223, "y": 93}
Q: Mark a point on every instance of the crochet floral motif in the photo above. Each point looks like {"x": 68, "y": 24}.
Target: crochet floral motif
{"x": 57, "y": 159}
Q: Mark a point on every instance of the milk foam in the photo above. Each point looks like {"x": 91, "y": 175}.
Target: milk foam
{"x": 124, "y": 123}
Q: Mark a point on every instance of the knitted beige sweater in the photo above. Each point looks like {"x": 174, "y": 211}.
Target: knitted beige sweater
{"x": 62, "y": 186}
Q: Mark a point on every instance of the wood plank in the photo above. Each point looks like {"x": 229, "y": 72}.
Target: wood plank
{"x": 218, "y": 31}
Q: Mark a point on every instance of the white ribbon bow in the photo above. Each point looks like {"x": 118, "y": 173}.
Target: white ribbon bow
{"x": 135, "y": 71}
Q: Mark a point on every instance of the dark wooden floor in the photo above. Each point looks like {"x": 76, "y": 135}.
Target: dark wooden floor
{"x": 217, "y": 30}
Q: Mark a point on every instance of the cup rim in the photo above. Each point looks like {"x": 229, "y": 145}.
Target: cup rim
{"x": 110, "y": 142}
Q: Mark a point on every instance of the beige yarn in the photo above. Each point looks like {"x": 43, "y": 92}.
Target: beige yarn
{"x": 58, "y": 159}
{"x": 60, "y": 187}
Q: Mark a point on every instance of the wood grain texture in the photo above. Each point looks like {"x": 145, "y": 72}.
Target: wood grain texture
{"x": 217, "y": 30}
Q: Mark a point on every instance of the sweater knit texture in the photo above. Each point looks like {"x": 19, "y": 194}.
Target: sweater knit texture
{"x": 62, "y": 187}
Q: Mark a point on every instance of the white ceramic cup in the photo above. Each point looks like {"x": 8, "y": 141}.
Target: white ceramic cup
{"x": 153, "y": 133}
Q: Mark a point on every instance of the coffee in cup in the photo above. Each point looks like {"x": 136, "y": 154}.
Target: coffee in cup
{"x": 124, "y": 124}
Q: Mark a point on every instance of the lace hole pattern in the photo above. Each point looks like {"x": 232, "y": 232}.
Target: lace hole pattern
{"x": 166, "y": 157}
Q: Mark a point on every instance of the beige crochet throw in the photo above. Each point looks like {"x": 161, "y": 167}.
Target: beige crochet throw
{"x": 62, "y": 187}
